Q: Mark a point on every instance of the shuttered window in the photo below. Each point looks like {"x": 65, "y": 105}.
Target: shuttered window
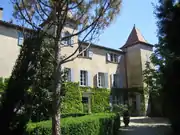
{"x": 112, "y": 57}
{"x": 102, "y": 80}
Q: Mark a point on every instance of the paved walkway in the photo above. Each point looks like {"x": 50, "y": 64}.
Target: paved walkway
{"x": 146, "y": 126}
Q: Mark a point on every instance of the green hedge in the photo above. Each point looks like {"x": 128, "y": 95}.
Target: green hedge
{"x": 96, "y": 124}
{"x": 65, "y": 115}
{"x": 72, "y": 101}
{"x": 99, "y": 100}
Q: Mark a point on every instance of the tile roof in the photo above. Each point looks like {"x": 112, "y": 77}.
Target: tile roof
{"x": 103, "y": 47}
{"x": 134, "y": 38}
{"x": 14, "y": 26}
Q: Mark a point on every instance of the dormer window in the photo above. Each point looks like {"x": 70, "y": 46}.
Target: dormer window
{"x": 83, "y": 54}
{"x": 69, "y": 40}
{"x": 88, "y": 53}
{"x": 112, "y": 57}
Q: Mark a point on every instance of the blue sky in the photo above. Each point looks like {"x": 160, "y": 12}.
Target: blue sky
{"x": 138, "y": 12}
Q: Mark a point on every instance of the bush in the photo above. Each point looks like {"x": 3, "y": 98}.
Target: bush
{"x": 72, "y": 101}
{"x": 65, "y": 115}
{"x": 95, "y": 124}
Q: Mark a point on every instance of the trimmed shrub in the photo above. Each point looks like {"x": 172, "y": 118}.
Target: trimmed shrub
{"x": 65, "y": 115}
{"x": 100, "y": 99}
{"x": 95, "y": 124}
{"x": 72, "y": 100}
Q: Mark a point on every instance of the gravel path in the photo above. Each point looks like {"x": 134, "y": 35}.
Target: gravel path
{"x": 146, "y": 126}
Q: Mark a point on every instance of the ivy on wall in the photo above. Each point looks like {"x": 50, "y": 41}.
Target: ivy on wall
{"x": 99, "y": 99}
{"x": 72, "y": 100}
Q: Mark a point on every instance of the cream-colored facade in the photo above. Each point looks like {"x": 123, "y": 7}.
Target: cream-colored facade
{"x": 129, "y": 63}
{"x": 9, "y": 50}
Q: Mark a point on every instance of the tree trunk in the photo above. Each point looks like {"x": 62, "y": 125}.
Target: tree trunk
{"x": 56, "y": 130}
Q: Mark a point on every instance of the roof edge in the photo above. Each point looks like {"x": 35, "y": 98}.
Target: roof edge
{"x": 135, "y": 43}
{"x": 103, "y": 47}
{"x": 15, "y": 26}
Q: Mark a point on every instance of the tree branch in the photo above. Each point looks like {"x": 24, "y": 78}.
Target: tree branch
{"x": 87, "y": 27}
{"x": 79, "y": 45}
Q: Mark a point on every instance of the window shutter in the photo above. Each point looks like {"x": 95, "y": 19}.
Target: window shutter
{"x": 72, "y": 74}
{"x": 106, "y": 79}
{"x": 108, "y": 57}
{"x": 119, "y": 58}
{"x": 72, "y": 41}
{"x": 112, "y": 80}
{"x": 89, "y": 79}
{"x": 79, "y": 77}
{"x": 97, "y": 76}
{"x": 90, "y": 53}
{"x": 20, "y": 38}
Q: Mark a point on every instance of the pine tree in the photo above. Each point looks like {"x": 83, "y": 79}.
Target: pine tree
{"x": 87, "y": 19}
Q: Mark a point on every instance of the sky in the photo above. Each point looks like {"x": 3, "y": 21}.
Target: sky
{"x": 138, "y": 12}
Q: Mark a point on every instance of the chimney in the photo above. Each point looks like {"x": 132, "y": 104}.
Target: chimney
{"x": 1, "y": 13}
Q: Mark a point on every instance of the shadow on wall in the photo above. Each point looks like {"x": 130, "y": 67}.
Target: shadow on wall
{"x": 119, "y": 93}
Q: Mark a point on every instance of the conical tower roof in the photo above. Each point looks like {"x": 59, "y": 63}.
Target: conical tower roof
{"x": 134, "y": 38}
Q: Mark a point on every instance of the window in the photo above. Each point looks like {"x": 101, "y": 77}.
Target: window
{"x": 20, "y": 39}
{"x": 68, "y": 74}
{"x": 117, "y": 80}
{"x": 68, "y": 40}
{"x": 83, "y": 78}
{"x": 85, "y": 100}
{"x": 102, "y": 80}
{"x": 87, "y": 53}
{"x": 113, "y": 57}
{"x": 114, "y": 80}
{"x": 83, "y": 54}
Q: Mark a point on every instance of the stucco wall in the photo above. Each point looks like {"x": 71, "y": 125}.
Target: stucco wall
{"x": 96, "y": 64}
{"x": 136, "y": 58}
{"x": 133, "y": 61}
{"x": 9, "y": 50}
{"x": 145, "y": 55}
